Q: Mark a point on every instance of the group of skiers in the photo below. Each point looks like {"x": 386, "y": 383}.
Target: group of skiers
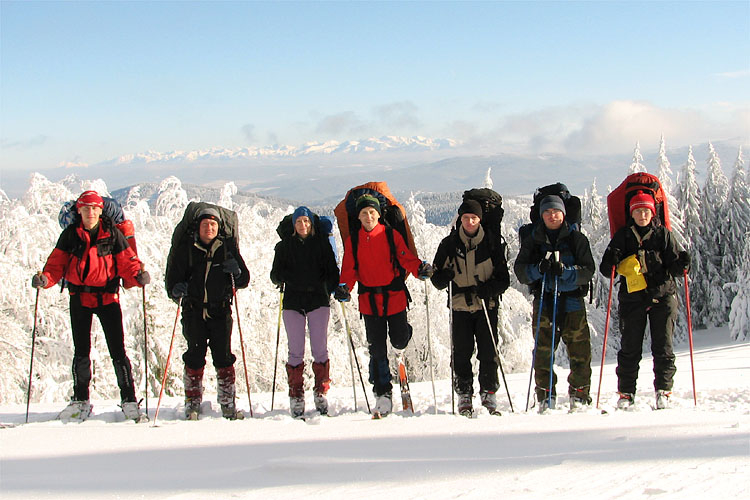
{"x": 555, "y": 260}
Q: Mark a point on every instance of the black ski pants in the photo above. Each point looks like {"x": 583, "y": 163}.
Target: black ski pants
{"x": 110, "y": 317}
{"x": 469, "y": 330}
{"x": 378, "y": 328}
{"x": 661, "y": 317}
{"x": 214, "y": 332}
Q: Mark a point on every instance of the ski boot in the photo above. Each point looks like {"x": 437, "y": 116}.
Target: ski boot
{"x": 545, "y": 401}
{"x": 662, "y": 399}
{"x": 579, "y": 399}
{"x": 192, "y": 408}
{"x": 192, "y": 378}
{"x": 230, "y": 412}
{"x": 132, "y": 411}
{"x": 489, "y": 401}
{"x": 76, "y": 411}
{"x": 383, "y": 405}
{"x": 322, "y": 384}
{"x": 626, "y": 401}
{"x": 297, "y": 406}
{"x": 464, "y": 405}
{"x": 321, "y": 404}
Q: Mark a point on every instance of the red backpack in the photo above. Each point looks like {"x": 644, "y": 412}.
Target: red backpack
{"x": 618, "y": 201}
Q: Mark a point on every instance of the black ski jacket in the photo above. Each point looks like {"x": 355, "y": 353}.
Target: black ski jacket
{"x": 307, "y": 268}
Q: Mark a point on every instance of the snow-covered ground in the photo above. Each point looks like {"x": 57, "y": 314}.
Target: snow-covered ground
{"x": 683, "y": 452}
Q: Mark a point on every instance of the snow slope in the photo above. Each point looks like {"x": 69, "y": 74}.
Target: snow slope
{"x": 683, "y": 452}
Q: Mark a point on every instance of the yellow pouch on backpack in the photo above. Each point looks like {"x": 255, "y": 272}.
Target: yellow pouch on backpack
{"x": 630, "y": 267}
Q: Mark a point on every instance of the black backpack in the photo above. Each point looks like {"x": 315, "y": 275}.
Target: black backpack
{"x": 187, "y": 229}
{"x": 572, "y": 208}
{"x": 492, "y": 217}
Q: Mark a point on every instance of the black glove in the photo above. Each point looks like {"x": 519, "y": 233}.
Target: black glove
{"x": 425, "y": 270}
{"x": 442, "y": 277}
{"x": 231, "y": 266}
{"x": 483, "y": 290}
{"x": 557, "y": 268}
{"x": 143, "y": 278}
{"x": 545, "y": 265}
{"x": 180, "y": 290}
{"x": 683, "y": 261}
{"x": 39, "y": 281}
{"x": 342, "y": 293}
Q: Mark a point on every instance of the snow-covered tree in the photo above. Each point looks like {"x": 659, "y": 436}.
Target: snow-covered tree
{"x": 739, "y": 316}
{"x": 665, "y": 177}
{"x": 736, "y": 223}
{"x": 715, "y": 193}
{"x": 689, "y": 201}
{"x": 637, "y": 163}
{"x": 488, "y": 178}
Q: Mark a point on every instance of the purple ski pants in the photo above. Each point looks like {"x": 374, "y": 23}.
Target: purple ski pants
{"x": 317, "y": 324}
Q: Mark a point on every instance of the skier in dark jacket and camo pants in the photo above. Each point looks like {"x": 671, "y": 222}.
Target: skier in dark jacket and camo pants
{"x": 660, "y": 259}
{"x": 201, "y": 275}
{"x": 479, "y": 272}
{"x": 538, "y": 257}
{"x": 304, "y": 267}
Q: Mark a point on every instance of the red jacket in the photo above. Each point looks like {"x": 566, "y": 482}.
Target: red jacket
{"x": 92, "y": 269}
{"x": 376, "y": 269}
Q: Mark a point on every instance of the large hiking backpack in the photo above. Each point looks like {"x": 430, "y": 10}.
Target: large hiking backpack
{"x": 572, "y": 208}
{"x": 393, "y": 217}
{"x": 187, "y": 229}
{"x": 323, "y": 225}
{"x": 618, "y": 201}
{"x": 492, "y": 214}
{"x": 112, "y": 213}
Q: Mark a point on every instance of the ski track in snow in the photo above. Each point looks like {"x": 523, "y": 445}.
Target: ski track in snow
{"x": 682, "y": 452}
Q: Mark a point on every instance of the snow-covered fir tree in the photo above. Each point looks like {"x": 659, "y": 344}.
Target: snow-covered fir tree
{"x": 688, "y": 199}
{"x": 664, "y": 173}
{"x": 715, "y": 193}
{"x": 739, "y": 316}
{"x": 736, "y": 223}
{"x": 637, "y": 164}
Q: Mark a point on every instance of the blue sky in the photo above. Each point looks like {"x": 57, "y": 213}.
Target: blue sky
{"x": 84, "y": 82}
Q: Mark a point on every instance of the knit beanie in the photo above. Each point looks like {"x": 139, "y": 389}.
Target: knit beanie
{"x": 551, "y": 201}
{"x": 470, "y": 207}
{"x": 209, "y": 213}
{"x": 301, "y": 211}
{"x": 367, "y": 200}
{"x": 89, "y": 199}
{"x": 642, "y": 200}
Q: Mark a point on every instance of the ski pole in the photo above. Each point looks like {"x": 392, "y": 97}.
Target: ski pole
{"x": 552, "y": 354}
{"x": 536, "y": 338}
{"x": 351, "y": 342}
{"x": 606, "y": 330}
{"x": 429, "y": 344}
{"x": 497, "y": 352}
{"x": 278, "y": 334}
{"x": 450, "y": 334}
{"x": 145, "y": 347}
{"x": 33, "y": 343}
{"x": 351, "y": 368}
{"x": 690, "y": 334}
{"x": 166, "y": 365}
{"x": 242, "y": 344}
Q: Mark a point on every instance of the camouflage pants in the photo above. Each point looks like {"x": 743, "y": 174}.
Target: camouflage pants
{"x": 574, "y": 330}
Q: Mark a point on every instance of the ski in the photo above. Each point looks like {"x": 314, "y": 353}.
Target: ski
{"x": 403, "y": 381}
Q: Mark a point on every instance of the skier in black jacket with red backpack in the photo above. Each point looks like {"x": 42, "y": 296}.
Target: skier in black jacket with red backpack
{"x": 648, "y": 258}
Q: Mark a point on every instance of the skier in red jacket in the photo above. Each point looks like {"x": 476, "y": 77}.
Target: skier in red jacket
{"x": 382, "y": 292}
{"x": 92, "y": 255}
